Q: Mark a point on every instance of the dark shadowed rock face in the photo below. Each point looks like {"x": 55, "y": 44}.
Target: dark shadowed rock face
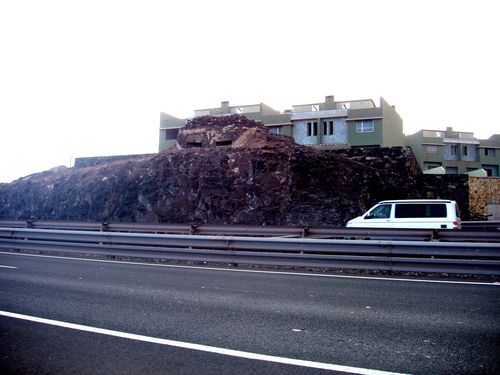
{"x": 225, "y": 170}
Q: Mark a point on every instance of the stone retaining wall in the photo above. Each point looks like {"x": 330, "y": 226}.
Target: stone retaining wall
{"x": 483, "y": 191}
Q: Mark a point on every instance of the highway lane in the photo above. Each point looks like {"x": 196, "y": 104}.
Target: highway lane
{"x": 367, "y": 323}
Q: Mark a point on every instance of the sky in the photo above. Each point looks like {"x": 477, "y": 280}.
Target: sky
{"x": 90, "y": 78}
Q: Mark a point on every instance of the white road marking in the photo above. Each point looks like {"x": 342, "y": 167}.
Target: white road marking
{"x": 8, "y": 267}
{"x": 379, "y": 278}
{"x": 203, "y": 348}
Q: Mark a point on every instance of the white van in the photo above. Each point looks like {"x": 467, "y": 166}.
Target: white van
{"x": 411, "y": 214}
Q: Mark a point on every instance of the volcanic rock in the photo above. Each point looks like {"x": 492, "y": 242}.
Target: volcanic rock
{"x": 225, "y": 170}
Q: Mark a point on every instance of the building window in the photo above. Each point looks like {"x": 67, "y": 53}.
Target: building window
{"x": 432, "y": 134}
{"x": 453, "y": 150}
{"x": 277, "y": 130}
{"x": 430, "y": 165}
{"x": 491, "y": 170}
{"x": 431, "y": 149}
{"x": 364, "y": 126}
{"x": 327, "y": 127}
{"x": 312, "y": 129}
{"x": 171, "y": 134}
{"x": 465, "y": 150}
{"x": 451, "y": 170}
{"x": 489, "y": 152}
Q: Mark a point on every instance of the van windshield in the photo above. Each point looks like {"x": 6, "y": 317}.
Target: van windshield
{"x": 409, "y": 210}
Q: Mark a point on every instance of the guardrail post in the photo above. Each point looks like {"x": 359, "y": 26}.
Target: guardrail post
{"x": 305, "y": 231}
{"x": 29, "y": 224}
{"x": 390, "y": 258}
{"x": 230, "y": 249}
{"x": 192, "y": 229}
{"x": 104, "y": 226}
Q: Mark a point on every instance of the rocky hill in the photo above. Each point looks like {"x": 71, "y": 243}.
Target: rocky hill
{"x": 225, "y": 170}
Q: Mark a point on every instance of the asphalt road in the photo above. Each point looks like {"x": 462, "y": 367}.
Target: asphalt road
{"x": 403, "y": 326}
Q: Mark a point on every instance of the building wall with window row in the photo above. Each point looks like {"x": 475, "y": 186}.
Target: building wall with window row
{"x": 329, "y": 124}
{"x": 456, "y": 152}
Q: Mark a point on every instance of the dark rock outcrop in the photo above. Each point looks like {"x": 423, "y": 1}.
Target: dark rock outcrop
{"x": 226, "y": 170}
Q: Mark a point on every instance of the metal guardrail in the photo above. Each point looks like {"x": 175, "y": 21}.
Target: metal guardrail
{"x": 490, "y": 235}
{"x": 407, "y": 256}
{"x": 481, "y": 225}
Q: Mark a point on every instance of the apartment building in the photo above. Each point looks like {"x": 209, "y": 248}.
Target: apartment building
{"x": 456, "y": 152}
{"x": 329, "y": 124}
{"x": 355, "y": 123}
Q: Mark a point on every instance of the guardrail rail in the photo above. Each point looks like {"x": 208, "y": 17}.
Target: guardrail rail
{"x": 406, "y": 256}
{"x": 476, "y": 234}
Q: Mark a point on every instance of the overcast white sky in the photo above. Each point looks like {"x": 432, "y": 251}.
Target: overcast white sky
{"x": 86, "y": 78}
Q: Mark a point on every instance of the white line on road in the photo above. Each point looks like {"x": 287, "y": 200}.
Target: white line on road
{"x": 203, "y": 348}
{"x": 380, "y": 278}
{"x": 8, "y": 267}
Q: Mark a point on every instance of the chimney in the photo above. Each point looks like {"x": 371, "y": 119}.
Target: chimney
{"x": 224, "y": 107}
{"x": 330, "y": 102}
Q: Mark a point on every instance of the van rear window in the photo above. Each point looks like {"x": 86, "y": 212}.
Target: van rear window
{"x": 407, "y": 210}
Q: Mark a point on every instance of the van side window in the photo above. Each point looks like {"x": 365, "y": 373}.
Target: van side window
{"x": 380, "y": 212}
{"x": 409, "y": 210}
